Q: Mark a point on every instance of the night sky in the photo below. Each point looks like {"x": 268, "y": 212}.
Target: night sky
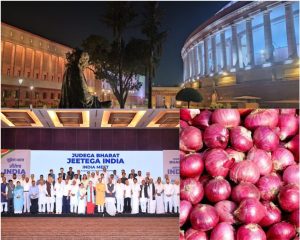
{"x": 71, "y": 22}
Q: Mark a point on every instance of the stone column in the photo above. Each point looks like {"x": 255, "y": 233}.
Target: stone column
{"x": 206, "y": 56}
{"x": 214, "y": 55}
{"x": 192, "y": 62}
{"x": 187, "y": 65}
{"x": 13, "y": 58}
{"x": 290, "y": 31}
{"x": 200, "y": 52}
{"x": 196, "y": 72}
{"x": 268, "y": 37}
{"x": 32, "y": 64}
{"x": 235, "y": 50}
{"x": 223, "y": 44}
{"x": 41, "y": 68}
{"x": 249, "y": 37}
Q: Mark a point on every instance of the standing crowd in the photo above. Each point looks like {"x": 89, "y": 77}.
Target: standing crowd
{"x": 89, "y": 193}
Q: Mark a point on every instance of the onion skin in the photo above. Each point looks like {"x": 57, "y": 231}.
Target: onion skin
{"x": 288, "y": 197}
{"x": 262, "y": 159}
{"x": 191, "y": 190}
{"x": 193, "y": 234}
{"x": 291, "y": 111}
{"x": 202, "y": 120}
{"x": 204, "y": 217}
{"x": 185, "y": 209}
{"x": 225, "y": 211}
{"x": 190, "y": 139}
{"x": 217, "y": 189}
{"x": 226, "y": 117}
{"x": 291, "y": 174}
{"x": 265, "y": 138}
{"x": 191, "y": 165}
{"x": 183, "y": 124}
{"x": 293, "y": 146}
{"x": 216, "y": 136}
{"x": 250, "y": 232}
{"x": 288, "y": 125}
{"x": 245, "y": 171}
{"x": 273, "y": 215}
{"x": 294, "y": 218}
{"x": 181, "y": 235}
{"x": 223, "y": 231}
{"x": 217, "y": 162}
{"x": 188, "y": 114}
{"x": 282, "y": 158}
{"x": 282, "y": 230}
{"x": 250, "y": 210}
{"x": 262, "y": 118}
{"x": 240, "y": 139}
{"x": 236, "y": 155}
{"x": 269, "y": 186}
{"x": 244, "y": 190}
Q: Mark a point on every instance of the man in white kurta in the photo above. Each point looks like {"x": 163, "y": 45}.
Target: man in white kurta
{"x": 74, "y": 197}
{"x": 66, "y": 196}
{"x": 110, "y": 200}
{"x": 82, "y": 199}
{"x": 26, "y": 185}
{"x": 127, "y": 199}
{"x": 42, "y": 197}
{"x": 139, "y": 177}
{"x": 135, "y": 197}
{"x": 144, "y": 196}
{"x": 168, "y": 196}
{"x": 159, "y": 196}
{"x": 176, "y": 196}
{"x": 151, "y": 196}
{"x": 59, "y": 191}
{"x": 120, "y": 193}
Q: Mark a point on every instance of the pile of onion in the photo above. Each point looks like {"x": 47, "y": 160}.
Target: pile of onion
{"x": 240, "y": 174}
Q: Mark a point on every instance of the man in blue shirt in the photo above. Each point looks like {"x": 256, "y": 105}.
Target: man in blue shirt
{"x": 34, "y": 197}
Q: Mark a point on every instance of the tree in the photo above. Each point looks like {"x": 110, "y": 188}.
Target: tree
{"x": 155, "y": 38}
{"x": 118, "y": 62}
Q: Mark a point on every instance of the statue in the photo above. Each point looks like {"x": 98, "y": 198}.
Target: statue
{"x": 74, "y": 91}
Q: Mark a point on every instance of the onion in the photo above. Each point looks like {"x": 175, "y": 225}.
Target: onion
{"x": 282, "y": 230}
{"x": 265, "y": 138}
{"x": 223, "y": 231}
{"x": 236, "y": 155}
{"x": 193, "y": 234}
{"x": 183, "y": 124}
{"x": 261, "y": 159}
{"x": 216, "y": 136}
{"x": 273, "y": 215}
{"x": 269, "y": 186}
{"x": 282, "y": 158}
{"x": 191, "y": 166}
{"x": 244, "y": 190}
{"x": 185, "y": 209}
{"x": 191, "y": 190}
{"x": 245, "y": 171}
{"x": 294, "y": 218}
{"x": 240, "y": 139}
{"x": 181, "y": 235}
{"x": 250, "y": 210}
{"x": 225, "y": 211}
{"x": 288, "y": 197}
{"x": 190, "y": 139}
{"x": 293, "y": 146}
{"x": 291, "y": 174}
{"x": 204, "y": 217}
{"x": 202, "y": 120}
{"x": 250, "y": 231}
{"x": 226, "y": 117}
{"x": 188, "y": 114}
{"x": 204, "y": 179}
{"x": 288, "y": 125}
{"x": 217, "y": 162}
{"x": 291, "y": 111}
{"x": 217, "y": 189}
{"x": 262, "y": 118}
{"x": 244, "y": 111}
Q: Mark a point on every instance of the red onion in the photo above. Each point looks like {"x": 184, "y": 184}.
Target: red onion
{"x": 204, "y": 179}
{"x": 244, "y": 111}
{"x": 181, "y": 235}
{"x": 292, "y": 174}
{"x": 181, "y": 154}
{"x": 262, "y": 118}
{"x": 250, "y": 231}
{"x": 244, "y": 190}
{"x": 193, "y": 234}
{"x": 236, "y": 155}
{"x": 288, "y": 125}
{"x": 245, "y": 171}
{"x": 191, "y": 190}
{"x": 261, "y": 159}
{"x": 240, "y": 139}
{"x": 202, "y": 120}
{"x": 288, "y": 197}
{"x": 204, "y": 217}
{"x": 250, "y": 210}
{"x": 216, "y": 136}
{"x": 223, "y": 231}
{"x": 282, "y": 158}
{"x": 269, "y": 186}
{"x": 217, "y": 189}
{"x": 265, "y": 138}
{"x": 185, "y": 209}
{"x": 294, "y": 218}
{"x": 188, "y": 114}
{"x": 291, "y": 111}
{"x": 183, "y": 124}
{"x": 217, "y": 162}
{"x": 226, "y": 117}
{"x": 225, "y": 211}
{"x": 273, "y": 215}
{"x": 293, "y": 146}
{"x": 281, "y": 231}
{"x": 191, "y": 166}
{"x": 190, "y": 139}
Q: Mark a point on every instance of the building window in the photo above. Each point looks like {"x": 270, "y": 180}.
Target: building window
{"x": 44, "y": 95}
{"x": 58, "y": 79}
{"x": 258, "y": 39}
{"x": 210, "y": 56}
{"x": 28, "y": 74}
{"x": 6, "y": 93}
{"x": 27, "y": 94}
{"x": 52, "y": 78}
{"x": 37, "y": 76}
{"x": 219, "y": 53}
{"x": 8, "y": 72}
{"x": 228, "y": 47}
{"x": 58, "y": 96}
{"x": 36, "y": 95}
{"x": 15, "y": 94}
{"x": 242, "y": 44}
{"x": 52, "y": 95}
{"x": 45, "y": 76}
{"x": 19, "y": 73}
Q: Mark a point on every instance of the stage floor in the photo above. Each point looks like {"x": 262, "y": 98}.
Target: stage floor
{"x": 89, "y": 228}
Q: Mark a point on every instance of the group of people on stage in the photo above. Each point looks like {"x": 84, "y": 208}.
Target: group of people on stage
{"x": 86, "y": 193}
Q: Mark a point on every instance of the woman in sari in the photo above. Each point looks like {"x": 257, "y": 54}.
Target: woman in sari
{"x": 85, "y": 181}
{"x": 159, "y": 197}
{"x": 100, "y": 195}
{"x": 90, "y": 199}
{"x": 18, "y": 198}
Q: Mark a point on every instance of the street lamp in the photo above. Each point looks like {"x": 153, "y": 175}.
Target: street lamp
{"x": 31, "y": 89}
{"x": 19, "y": 95}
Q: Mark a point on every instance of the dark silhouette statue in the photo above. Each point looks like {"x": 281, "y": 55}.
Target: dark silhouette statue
{"x": 74, "y": 90}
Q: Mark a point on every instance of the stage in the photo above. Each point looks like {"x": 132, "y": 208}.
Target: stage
{"x": 83, "y": 227}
